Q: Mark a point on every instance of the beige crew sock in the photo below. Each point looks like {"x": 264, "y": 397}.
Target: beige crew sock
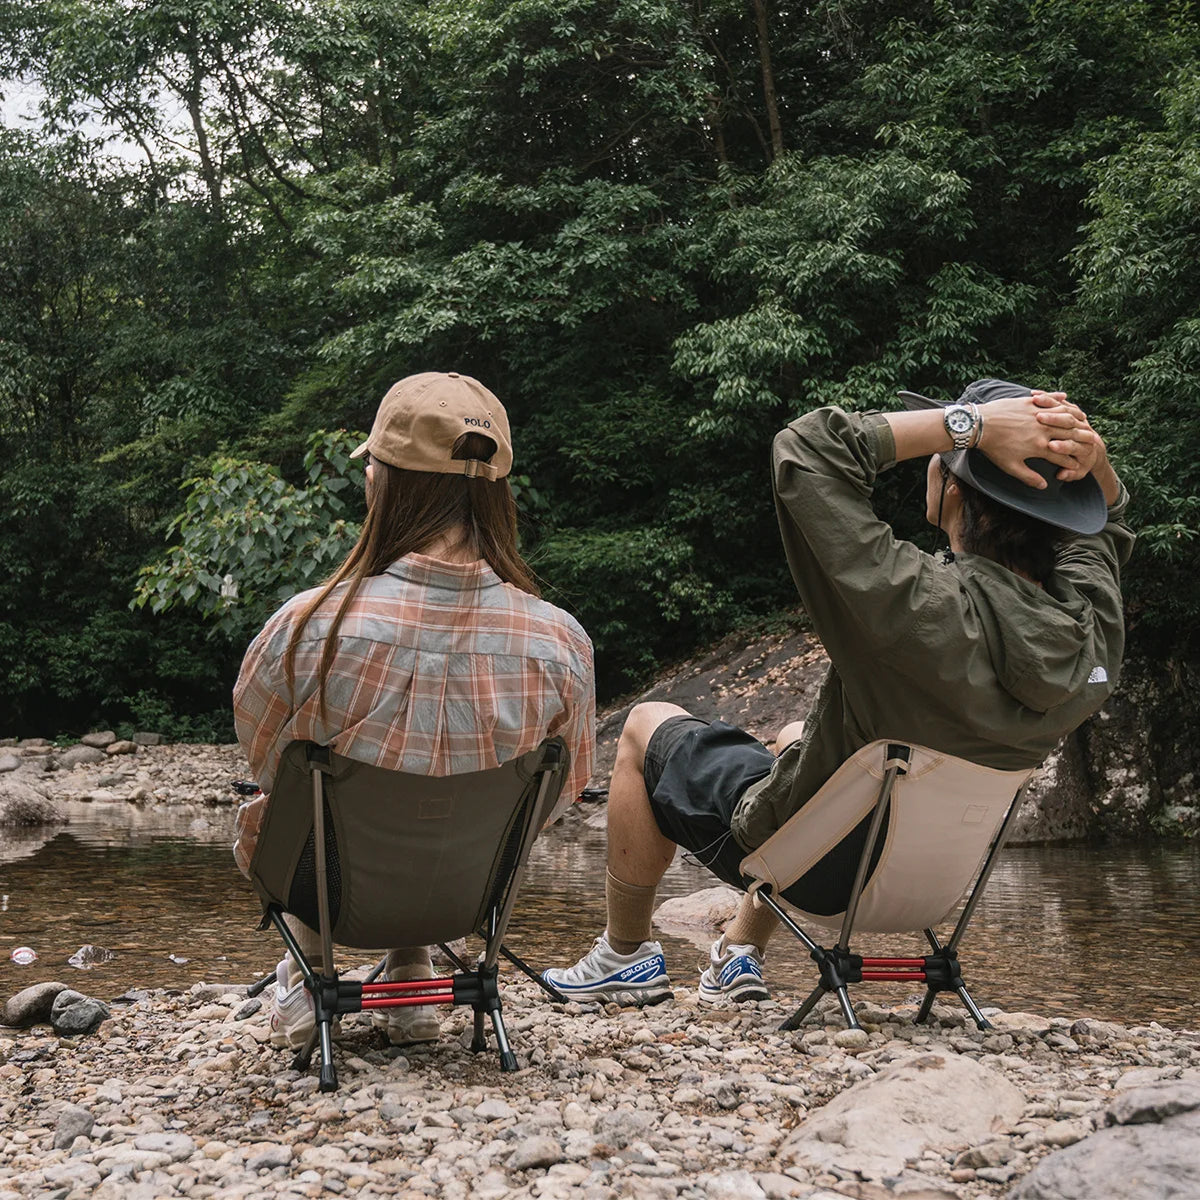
{"x": 630, "y": 908}
{"x": 310, "y": 946}
{"x": 407, "y": 958}
{"x": 752, "y": 926}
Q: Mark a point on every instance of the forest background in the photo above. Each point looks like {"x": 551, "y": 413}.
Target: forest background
{"x": 657, "y": 229}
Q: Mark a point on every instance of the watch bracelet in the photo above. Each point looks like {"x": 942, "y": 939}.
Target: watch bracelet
{"x": 978, "y": 430}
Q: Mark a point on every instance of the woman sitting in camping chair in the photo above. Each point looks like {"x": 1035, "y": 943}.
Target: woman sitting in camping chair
{"x": 428, "y": 651}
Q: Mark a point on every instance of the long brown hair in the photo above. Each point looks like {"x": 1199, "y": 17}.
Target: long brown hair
{"x": 408, "y": 511}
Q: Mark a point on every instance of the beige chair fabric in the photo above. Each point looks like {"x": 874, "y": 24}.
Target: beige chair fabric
{"x": 418, "y": 859}
{"x": 944, "y": 815}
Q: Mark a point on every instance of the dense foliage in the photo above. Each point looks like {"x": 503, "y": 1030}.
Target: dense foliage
{"x": 655, "y": 228}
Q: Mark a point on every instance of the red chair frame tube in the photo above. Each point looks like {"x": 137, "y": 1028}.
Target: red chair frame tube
{"x": 421, "y": 991}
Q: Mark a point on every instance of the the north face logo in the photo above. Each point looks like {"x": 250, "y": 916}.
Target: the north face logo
{"x": 1098, "y": 675}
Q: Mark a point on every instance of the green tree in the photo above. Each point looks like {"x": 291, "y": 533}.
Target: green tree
{"x": 1135, "y": 339}
{"x": 248, "y": 540}
{"x": 657, "y": 230}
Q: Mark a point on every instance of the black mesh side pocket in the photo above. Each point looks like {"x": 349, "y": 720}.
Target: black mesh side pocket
{"x": 507, "y": 859}
{"x": 302, "y": 897}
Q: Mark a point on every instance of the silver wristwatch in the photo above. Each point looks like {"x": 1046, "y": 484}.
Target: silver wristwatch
{"x": 963, "y": 424}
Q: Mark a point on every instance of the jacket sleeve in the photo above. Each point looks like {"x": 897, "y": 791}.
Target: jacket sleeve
{"x": 1107, "y": 551}
{"x": 1090, "y": 566}
{"x": 862, "y": 587}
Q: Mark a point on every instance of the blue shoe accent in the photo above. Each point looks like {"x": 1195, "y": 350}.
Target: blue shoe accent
{"x": 603, "y": 974}
{"x": 734, "y": 973}
{"x": 742, "y": 969}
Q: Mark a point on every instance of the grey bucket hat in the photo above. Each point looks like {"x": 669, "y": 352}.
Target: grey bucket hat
{"x": 1077, "y": 506}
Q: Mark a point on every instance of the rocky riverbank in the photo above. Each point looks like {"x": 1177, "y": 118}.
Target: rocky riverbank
{"x": 177, "y": 1093}
{"x": 143, "y": 773}
{"x": 1129, "y": 772}
{"x": 180, "y": 1095}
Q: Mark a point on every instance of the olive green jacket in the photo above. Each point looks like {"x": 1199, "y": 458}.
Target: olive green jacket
{"x": 967, "y": 657}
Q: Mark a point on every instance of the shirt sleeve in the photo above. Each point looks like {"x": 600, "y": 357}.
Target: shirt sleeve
{"x": 577, "y": 727}
{"x": 250, "y": 816}
{"x": 862, "y": 587}
{"x": 261, "y": 704}
{"x": 259, "y": 714}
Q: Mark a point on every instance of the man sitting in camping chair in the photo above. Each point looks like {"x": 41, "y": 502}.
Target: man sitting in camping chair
{"x": 429, "y": 650}
{"x": 991, "y": 654}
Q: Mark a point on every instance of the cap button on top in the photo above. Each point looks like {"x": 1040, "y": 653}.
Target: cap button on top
{"x": 452, "y": 374}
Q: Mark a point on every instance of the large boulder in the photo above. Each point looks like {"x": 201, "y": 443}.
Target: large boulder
{"x": 1151, "y": 1150}
{"x": 76, "y": 756}
{"x": 932, "y": 1101}
{"x": 759, "y": 686}
{"x": 22, "y": 803}
{"x": 63, "y": 1001}
{"x": 84, "y": 1014}
{"x": 708, "y": 910}
{"x": 32, "y": 1005}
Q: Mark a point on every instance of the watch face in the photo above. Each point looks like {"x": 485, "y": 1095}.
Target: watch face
{"x": 958, "y": 420}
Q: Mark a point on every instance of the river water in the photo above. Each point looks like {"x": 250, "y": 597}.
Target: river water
{"x": 1106, "y": 931}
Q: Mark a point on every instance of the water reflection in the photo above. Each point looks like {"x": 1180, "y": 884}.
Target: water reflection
{"x": 1109, "y": 932}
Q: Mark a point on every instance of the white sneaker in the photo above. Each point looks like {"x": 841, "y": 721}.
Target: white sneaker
{"x": 411, "y": 1023}
{"x": 293, "y": 1017}
{"x": 733, "y": 973}
{"x": 603, "y": 974}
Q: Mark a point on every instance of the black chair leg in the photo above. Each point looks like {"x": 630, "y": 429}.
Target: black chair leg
{"x": 980, "y": 1020}
{"x": 508, "y": 1060}
{"x": 479, "y": 1040}
{"x": 260, "y": 985}
{"x": 303, "y": 1059}
{"x": 327, "y": 1080}
{"x": 847, "y": 1008}
{"x": 527, "y": 970}
{"x": 795, "y": 1020}
{"x": 926, "y": 1006}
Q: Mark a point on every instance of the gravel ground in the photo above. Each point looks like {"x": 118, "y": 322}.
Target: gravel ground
{"x": 182, "y": 1095}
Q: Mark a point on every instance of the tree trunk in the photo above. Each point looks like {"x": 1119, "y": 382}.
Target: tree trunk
{"x": 717, "y": 128}
{"x": 764, "y": 54}
{"x": 208, "y": 170}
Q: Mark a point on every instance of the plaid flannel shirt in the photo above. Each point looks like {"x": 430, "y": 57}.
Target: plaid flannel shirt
{"x": 440, "y": 669}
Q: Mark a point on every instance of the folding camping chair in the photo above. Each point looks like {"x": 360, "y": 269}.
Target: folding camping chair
{"x": 372, "y": 857}
{"x": 946, "y": 820}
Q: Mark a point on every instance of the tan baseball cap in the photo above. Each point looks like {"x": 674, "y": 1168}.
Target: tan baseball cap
{"x": 421, "y": 418}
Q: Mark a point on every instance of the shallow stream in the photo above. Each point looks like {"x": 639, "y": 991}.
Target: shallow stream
{"x": 1109, "y": 932}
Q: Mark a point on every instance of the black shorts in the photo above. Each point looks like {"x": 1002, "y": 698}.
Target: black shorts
{"x": 695, "y": 774}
